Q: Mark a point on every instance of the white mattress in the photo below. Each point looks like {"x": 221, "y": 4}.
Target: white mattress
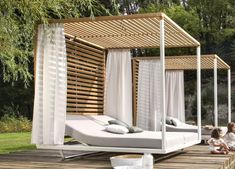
{"x": 90, "y": 130}
{"x": 192, "y": 128}
{"x": 182, "y": 128}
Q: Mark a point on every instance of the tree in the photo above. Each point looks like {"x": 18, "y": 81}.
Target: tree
{"x": 215, "y": 18}
{"x": 17, "y": 31}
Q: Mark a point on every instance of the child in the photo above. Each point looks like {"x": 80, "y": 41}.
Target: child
{"x": 229, "y": 137}
{"x": 216, "y": 143}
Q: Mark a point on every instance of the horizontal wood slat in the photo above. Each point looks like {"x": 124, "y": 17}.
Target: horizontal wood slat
{"x": 84, "y": 97}
{"x": 81, "y": 75}
{"x": 84, "y": 57}
{"x": 84, "y": 46}
{"x": 84, "y": 84}
{"x": 84, "y": 105}
{"x": 77, "y": 79}
{"x": 71, "y": 59}
{"x": 79, "y": 88}
{"x": 83, "y": 110}
{"x": 85, "y": 101}
{"x": 80, "y": 70}
{"x": 84, "y": 53}
{"x": 85, "y": 77}
{"x": 97, "y": 56}
{"x": 85, "y": 67}
{"x": 86, "y": 94}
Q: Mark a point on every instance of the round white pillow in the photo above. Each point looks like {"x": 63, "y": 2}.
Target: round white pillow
{"x": 117, "y": 129}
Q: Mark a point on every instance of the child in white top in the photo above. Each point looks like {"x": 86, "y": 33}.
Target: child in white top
{"x": 216, "y": 143}
{"x": 229, "y": 137}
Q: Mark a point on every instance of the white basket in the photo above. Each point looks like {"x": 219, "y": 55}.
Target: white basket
{"x": 128, "y": 161}
{"x": 128, "y": 167}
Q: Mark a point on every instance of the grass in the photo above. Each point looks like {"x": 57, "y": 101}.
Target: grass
{"x": 12, "y": 142}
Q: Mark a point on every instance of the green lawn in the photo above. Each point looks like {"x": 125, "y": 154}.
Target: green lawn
{"x": 11, "y": 142}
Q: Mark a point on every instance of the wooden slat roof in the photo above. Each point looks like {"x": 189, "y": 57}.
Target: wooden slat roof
{"x": 131, "y": 31}
{"x": 189, "y": 62}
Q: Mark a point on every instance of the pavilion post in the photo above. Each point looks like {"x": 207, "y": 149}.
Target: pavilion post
{"x": 229, "y": 95}
{"x": 162, "y": 62}
{"x": 215, "y": 94}
{"x": 199, "y": 91}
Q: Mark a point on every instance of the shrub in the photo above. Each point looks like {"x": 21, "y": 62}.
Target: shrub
{"x": 11, "y": 123}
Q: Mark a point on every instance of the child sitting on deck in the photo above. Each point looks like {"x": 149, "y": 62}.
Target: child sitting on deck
{"x": 229, "y": 137}
{"x": 216, "y": 143}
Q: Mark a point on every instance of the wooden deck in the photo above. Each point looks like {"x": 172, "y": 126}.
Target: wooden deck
{"x": 191, "y": 158}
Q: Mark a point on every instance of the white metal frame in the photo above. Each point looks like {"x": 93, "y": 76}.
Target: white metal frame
{"x": 216, "y": 123}
{"x": 229, "y": 95}
{"x": 162, "y": 85}
{"x": 81, "y": 147}
{"x": 199, "y": 92}
{"x": 163, "y": 91}
{"x": 215, "y": 94}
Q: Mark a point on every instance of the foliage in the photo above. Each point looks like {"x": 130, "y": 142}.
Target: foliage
{"x": 215, "y": 18}
{"x": 188, "y": 20}
{"x": 11, "y": 123}
{"x": 18, "y": 20}
{"x": 17, "y": 30}
{"x": 16, "y": 96}
{"x": 12, "y": 142}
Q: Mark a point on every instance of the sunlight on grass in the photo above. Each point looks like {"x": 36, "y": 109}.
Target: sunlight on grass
{"x": 12, "y": 142}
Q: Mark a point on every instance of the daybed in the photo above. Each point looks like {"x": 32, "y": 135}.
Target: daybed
{"x": 179, "y": 126}
{"x": 176, "y": 64}
{"x": 206, "y": 131}
{"x": 91, "y": 130}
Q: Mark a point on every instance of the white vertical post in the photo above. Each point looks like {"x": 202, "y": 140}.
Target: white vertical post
{"x": 162, "y": 63}
{"x": 229, "y": 95}
{"x": 199, "y": 92}
{"x": 215, "y": 94}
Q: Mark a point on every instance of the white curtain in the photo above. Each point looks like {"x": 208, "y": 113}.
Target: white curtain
{"x": 118, "y": 85}
{"x": 148, "y": 105}
{"x": 175, "y": 94}
{"x": 50, "y": 86}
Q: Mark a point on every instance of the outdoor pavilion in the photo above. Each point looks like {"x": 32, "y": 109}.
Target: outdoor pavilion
{"x": 87, "y": 40}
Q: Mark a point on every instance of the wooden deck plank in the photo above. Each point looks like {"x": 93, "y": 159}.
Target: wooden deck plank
{"x": 193, "y": 157}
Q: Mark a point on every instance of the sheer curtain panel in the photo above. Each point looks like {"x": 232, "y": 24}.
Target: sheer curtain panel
{"x": 50, "y": 86}
{"x": 118, "y": 85}
{"x": 175, "y": 94}
{"x": 148, "y": 104}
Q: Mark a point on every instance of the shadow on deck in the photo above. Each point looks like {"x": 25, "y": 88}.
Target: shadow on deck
{"x": 191, "y": 158}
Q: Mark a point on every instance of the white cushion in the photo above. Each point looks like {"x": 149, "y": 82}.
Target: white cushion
{"x": 114, "y": 128}
{"x": 176, "y": 122}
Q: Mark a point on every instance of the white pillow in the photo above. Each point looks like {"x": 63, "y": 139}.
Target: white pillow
{"x": 114, "y": 128}
{"x": 176, "y": 122}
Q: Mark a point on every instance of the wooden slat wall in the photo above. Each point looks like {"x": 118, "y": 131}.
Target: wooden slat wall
{"x": 135, "y": 69}
{"x": 86, "y": 71}
{"x": 132, "y": 31}
{"x": 189, "y": 62}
